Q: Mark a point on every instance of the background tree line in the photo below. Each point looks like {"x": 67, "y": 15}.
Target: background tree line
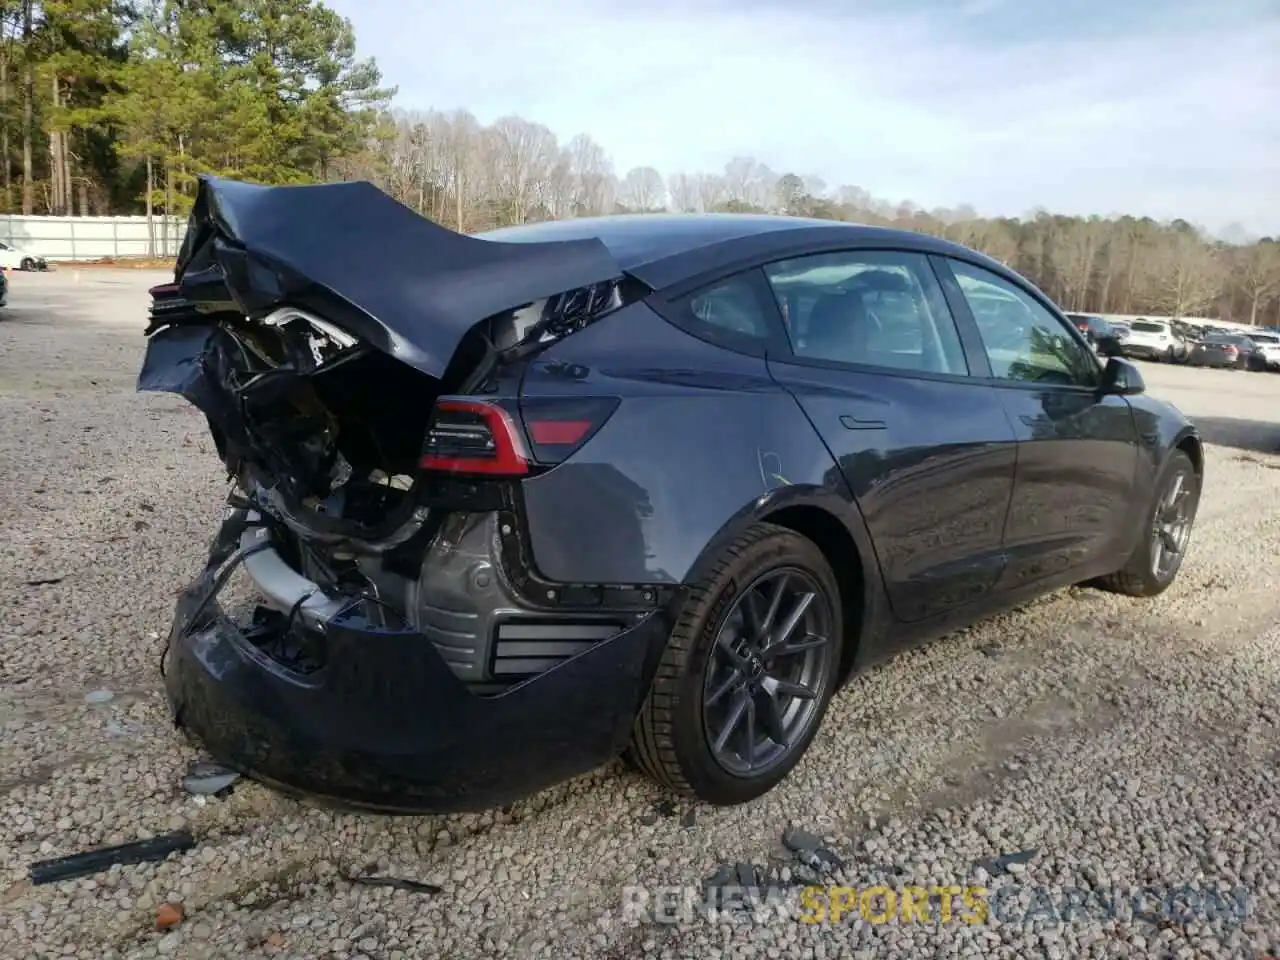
{"x": 471, "y": 177}
{"x": 115, "y": 106}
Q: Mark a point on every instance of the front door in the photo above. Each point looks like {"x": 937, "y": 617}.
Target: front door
{"x": 878, "y": 367}
{"x": 1077, "y": 450}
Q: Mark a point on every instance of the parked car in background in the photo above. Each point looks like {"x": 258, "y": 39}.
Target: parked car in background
{"x": 1154, "y": 340}
{"x": 15, "y": 258}
{"x": 1267, "y": 350}
{"x": 1102, "y": 335}
{"x": 516, "y": 502}
{"x": 1233, "y": 351}
{"x": 1188, "y": 333}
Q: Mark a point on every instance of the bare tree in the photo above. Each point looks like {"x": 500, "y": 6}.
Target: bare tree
{"x": 642, "y": 189}
{"x": 1188, "y": 274}
{"x": 684, "y": 193}
{"x": 712, "y": 191}
{"x": 990, "y": 236}
{"x": 1074, "y": 254}
{"x": 522, "y": 158}
{"x": 749, "y": 183}
{"x": 591, "y": 172}
{"x": 1259, "y": 272}
{"x": 855, "y": 198}
{"x": 462, "y": 148}
{"x": 814, "y": 186}
{"x": 790, "y": 193}
{"x": 561, "y": 187}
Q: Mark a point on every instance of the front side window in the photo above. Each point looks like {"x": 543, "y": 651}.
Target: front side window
{"x": 867, "y": 307}
{"x": 1023, "y": 340}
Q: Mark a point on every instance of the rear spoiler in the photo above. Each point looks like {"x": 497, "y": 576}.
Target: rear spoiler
{"x": 351, "y": 253}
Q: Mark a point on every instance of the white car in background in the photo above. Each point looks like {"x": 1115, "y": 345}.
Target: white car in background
{"x": 15, "y": 258}
{"x": 1268, "y": 345}
{"x": 1154, "y": 340}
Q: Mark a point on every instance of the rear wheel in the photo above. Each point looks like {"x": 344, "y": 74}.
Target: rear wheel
{"x": 1155, "y": 562}
{"x": 27, "y": 264}
{"x": 746, "y": 675}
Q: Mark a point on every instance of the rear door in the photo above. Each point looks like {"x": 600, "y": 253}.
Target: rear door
{"x": 877, "y": 364}
{"x": 1077, "y": 450}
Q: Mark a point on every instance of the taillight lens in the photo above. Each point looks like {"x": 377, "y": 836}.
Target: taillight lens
{"x": 474, "y": 437}
{"x": 485, "y": 437}
{"x": 557, "y": 426}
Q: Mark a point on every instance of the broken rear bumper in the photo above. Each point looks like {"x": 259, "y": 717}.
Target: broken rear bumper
{"x": 384, "y": 724}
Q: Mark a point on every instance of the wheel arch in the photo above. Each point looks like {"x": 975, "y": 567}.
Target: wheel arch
{"x": 1189, "y": 443}
{"x": 834, "y": 524}
{"x": 841, "y": 552}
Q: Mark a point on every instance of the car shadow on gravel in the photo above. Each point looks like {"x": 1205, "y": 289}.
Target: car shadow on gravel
{"x": 1256, "y": 435}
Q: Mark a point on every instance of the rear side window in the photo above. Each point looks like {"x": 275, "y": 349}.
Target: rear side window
{"x": 731, "y": 306}
{"x": 868, "y": 307}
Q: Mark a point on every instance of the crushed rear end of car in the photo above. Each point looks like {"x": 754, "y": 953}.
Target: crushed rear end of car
{"x": 359, "y": 369}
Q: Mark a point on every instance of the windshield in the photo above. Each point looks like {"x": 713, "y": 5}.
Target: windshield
{"x": 1146, "y": 326}
{"x": 1222, "y": 338}
{"x": 1264, "y": 338}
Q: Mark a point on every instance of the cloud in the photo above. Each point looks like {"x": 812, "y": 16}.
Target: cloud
{"x": 1150, "y": 108}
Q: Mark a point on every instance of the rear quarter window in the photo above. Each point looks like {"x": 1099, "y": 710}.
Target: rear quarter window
{"x": 737, "y": 312}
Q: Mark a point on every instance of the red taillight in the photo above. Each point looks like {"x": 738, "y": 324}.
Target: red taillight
{"x": 560, "y": 425}
{"x": 164, "y": 290}
{"x": 555, "y": 433}
{"x": 469, "y": 436}
{"x": 474, "y": 436}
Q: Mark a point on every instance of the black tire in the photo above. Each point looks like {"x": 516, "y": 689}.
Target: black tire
{"x": 1139, "y": 576}
{"x": 1169, "y": 356}
{"x": 27, "y": 264}
{"x": 669, "y": 740}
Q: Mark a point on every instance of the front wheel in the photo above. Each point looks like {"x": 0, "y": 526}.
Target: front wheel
{"x": 746, "y": 675}
{"x": 1158, "y": 556}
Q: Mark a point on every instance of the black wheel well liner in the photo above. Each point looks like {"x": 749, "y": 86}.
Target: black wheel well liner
{"x": 841, "y": 552}
{"x": 1190, "y": 444}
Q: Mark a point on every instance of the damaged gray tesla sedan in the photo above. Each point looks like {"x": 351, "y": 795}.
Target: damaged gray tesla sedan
{"x": 519, "y": 503}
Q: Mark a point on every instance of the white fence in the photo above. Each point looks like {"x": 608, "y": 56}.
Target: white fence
{"x": 92, "y": 238}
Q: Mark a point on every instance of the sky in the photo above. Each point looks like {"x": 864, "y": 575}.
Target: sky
{"x": 1148, "y": 107}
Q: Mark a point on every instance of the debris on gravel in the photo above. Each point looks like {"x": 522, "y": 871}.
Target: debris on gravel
{"x": 207, "y": 778}
{"x": 1087, "y": 776}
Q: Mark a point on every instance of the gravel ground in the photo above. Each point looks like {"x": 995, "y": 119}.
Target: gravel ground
{"x": 1115, "y": 743}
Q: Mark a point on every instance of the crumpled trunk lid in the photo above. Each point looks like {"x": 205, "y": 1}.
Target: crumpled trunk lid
{"x": 316, "y": 326}
{"x": 353, "y": 255}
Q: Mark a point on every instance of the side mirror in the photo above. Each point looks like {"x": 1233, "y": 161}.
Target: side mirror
{"x": 1121, "y": 378}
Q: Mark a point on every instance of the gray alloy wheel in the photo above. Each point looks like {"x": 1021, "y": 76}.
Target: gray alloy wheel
{"x": 744, "y": 680}
{"x": 771, "y": 658}
{"x": 1171, "y": 526}
{"x": 1155, "y": 562}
